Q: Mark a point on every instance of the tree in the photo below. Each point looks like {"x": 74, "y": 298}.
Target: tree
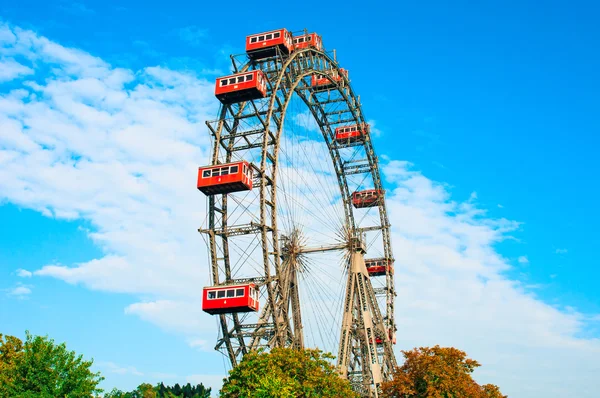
{"x": 116, "y": 393}
{"x": 437, "y": 372}
{"x": 146, "y": 390}
{"x": 285, "y": 373}
{"x": 176, "y": 389}
{"x": 162, "y": 390}
{"x": 199, "y": 391}
{"x": 10, "y": 348}
{"x": 491, "y": 391}
{"x": 187, "y": 390}
{"x": 40, "y": 368}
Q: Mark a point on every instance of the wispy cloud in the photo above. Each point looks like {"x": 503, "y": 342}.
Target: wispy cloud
{"x": 112, "y": 367}
{"x": 146, "y": 48}
{"x": 561, "y": 251}
{"x": 20, "y": 291}
{"x": 450, "y": 278}
{"x": 193, "y": 35}
{"x": 77, "y": 8}
{"x": 164, "y": 376}
{"x": 201, "y": 344}
{"x": 523, "y": 260}
{"x": 430, "y": 137}
{"x": 23, "y": 273}
{"x": 375, "y": 131}
{"x": 183, "y": 317}
{"x": 11, "y": 69}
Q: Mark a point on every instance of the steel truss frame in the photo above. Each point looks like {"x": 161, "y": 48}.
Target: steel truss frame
{"x": 360, "y": 359}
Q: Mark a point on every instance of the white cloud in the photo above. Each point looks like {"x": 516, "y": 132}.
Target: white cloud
{"x": 19, "y": 291}
{"x": 452, "y": 291}
{"x": 523, "y": 260}
{"x": 374, "y": 131}
{"x": 23, "y": 273}
{"x": 163, "y": 376}
{"x": 184, "y": 317}
{"x": 112, "y": 367}
{"x": 200, "y": 344}
{"x": 307, "y": 121}
{"x": 120, "y": 149}
{"x": 11, "y": 69}
{"x": 561, "y": 251}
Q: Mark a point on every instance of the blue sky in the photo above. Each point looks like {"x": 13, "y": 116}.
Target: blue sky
{"x": 493, "y": 105}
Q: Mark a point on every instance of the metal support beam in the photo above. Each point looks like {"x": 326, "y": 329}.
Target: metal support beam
{"x": 320, "y": 249}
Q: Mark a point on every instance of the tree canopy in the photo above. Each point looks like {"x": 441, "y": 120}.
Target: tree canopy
{"x": 437, "y": 372}
{"x": 146, "y": 390}
{"x": 42, "y": 369}
{"x": 285, "y": 373}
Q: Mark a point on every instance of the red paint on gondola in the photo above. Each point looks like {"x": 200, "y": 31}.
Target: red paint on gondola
{"x": 379, "y": 266}
{"x": 263, "y": 45}
{"x": 229, "y": 299}
{"x": 322, "y": 82}
{"x": 225, "y": 178}
{"x": 348, "y": 134}
{"x": 311, "y": 40}
{"x": 367, "y": 198}
{"x": 240, "y": 87}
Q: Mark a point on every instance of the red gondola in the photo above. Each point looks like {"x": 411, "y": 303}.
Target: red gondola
{"x": 310, "y": 40}
{"x": 228, "y": 299}
{"x": 392, "y": 336}
{"x": 368, "y": 198}
{"x": 225, "y": 178}
{"x": 348, "y": 134}
{"x": 379, "y": 266}
{"x": 241, "y": 87}
{"x": 264, "y": 45}
{"x": 322, "y": 82}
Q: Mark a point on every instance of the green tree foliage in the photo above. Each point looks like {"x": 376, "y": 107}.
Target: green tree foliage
{"x": 146, "y": 390}
{"x": 437, "y": 372}
{"x": 42, "y": 369}
{"x": 10, "y": 348}
{"x": 285, "y": 373}
{"x": 176, "y": 389}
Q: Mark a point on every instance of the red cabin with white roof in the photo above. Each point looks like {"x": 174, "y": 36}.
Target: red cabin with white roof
{"x": 323, "y": 82}
{"x": 263, "y": 45}
{"x": 240, "y": 87}
{"x": 347, "y": 134}
{"x": 225, "y": 178}
{"x": 311, "y": 40}
{"x": 379, "y": 266}
{"x": 229, "y": 299}
{"x": 368, "y": 198}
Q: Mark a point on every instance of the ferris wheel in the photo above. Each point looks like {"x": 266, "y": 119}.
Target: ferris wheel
{"x": 297, "y": 228}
